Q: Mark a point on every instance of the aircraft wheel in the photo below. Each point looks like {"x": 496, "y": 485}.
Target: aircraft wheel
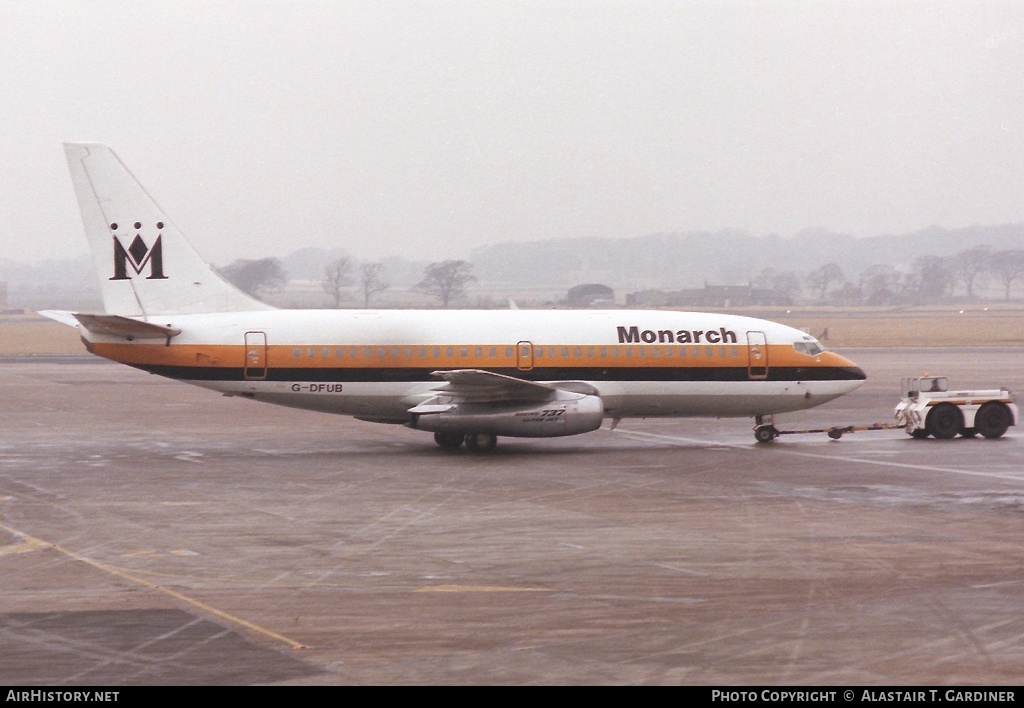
{"x": 765, "y": 433}
{"x": 968, "y": 432}
{"x": 918, "y": 433}
{"x": 944, "y": 421}
{"x": 449, "y": 440}
{"x": 992, "y": 420}
{"x": 481, "y": 442}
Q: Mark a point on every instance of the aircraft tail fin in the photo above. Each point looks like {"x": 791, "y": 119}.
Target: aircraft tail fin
{"x": 144, "y": 263}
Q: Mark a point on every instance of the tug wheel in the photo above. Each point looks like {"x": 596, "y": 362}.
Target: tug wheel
{"x": 944, "y": 421}
{"x": 992, "y": 420}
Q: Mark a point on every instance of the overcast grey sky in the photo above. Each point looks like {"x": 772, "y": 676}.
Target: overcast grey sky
{"x": 425, "y": 129}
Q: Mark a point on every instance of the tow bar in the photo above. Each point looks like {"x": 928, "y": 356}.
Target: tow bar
{"x": 837, "y": 431}
{"x": 765, "y": 430}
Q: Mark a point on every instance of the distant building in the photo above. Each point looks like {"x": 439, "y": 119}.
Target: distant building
{"x": 3, "y": 294}
{"x": 590, "y": 295}
{"x": 648, "y": 298}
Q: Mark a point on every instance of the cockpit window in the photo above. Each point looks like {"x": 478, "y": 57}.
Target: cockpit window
{"x": 809, "y": 346}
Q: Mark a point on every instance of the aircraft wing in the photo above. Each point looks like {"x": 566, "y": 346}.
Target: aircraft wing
{"x": 475, "y": 385}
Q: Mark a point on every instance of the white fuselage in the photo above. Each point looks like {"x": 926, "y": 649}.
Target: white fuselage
{"x": 378, "y": 364}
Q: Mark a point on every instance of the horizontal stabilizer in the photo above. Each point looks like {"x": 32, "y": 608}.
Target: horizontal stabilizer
{"x": 125, "y": 327}
{"x": 62, "y": 316}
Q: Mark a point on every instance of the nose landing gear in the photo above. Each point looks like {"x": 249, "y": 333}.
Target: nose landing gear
{"x": 764, "y": 432}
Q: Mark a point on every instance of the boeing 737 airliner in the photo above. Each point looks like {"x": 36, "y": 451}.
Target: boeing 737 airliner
{"x": 467, "y": 376}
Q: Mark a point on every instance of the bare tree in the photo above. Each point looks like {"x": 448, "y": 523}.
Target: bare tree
{"x": 821, "y": 278}
{"x": 880, "y": 284}
{"x": 785, "y": 283}
{"x": 445, "y": 280}
{"x": 933, "y": 279}
{"x": 968, "y": 265}
{"x": 255, "y": 277}
{"x": 336, "y": 278}
{"x": 848, "y": 295}
{"x": 369, "y": 278}
{"x": 1008, "y": 267}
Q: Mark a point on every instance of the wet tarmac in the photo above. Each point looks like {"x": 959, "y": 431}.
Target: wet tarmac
{"x": 156, "y": 533}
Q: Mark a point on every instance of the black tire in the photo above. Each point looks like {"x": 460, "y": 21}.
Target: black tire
{"x": 969, "y": 432}
{"x": 481, "y": 442}
{"x": 919, "y": 433}
{"x": 992, "y": 420}
{"x": 765, "y": 434}
{"x": 449, "y": 440}
{"x": 944, "y": 421}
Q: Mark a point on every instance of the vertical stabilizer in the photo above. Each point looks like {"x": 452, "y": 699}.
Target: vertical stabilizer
{"x": 144, "y": 264}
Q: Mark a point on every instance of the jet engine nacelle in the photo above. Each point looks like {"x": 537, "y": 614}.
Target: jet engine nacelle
{"x": 551, "y": 419}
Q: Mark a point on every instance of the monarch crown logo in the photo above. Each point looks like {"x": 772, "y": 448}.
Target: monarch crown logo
{"x": 138, "y": 255}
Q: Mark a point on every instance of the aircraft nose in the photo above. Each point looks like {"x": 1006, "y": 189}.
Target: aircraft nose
{"x": 850, "y": 370}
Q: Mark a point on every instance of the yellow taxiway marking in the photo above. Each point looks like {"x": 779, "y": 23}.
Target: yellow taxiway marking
{"x": 117, "y": 572}
{"x": 476, "y": 588}
{"x": 29, "y": 544}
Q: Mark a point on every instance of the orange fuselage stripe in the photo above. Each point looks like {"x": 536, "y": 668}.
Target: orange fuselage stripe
{"x": 449, "y": 356}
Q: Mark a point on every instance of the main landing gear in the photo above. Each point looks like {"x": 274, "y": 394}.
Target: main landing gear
{"x": 477, "y": 442}
{"x": 765, "y": 432}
